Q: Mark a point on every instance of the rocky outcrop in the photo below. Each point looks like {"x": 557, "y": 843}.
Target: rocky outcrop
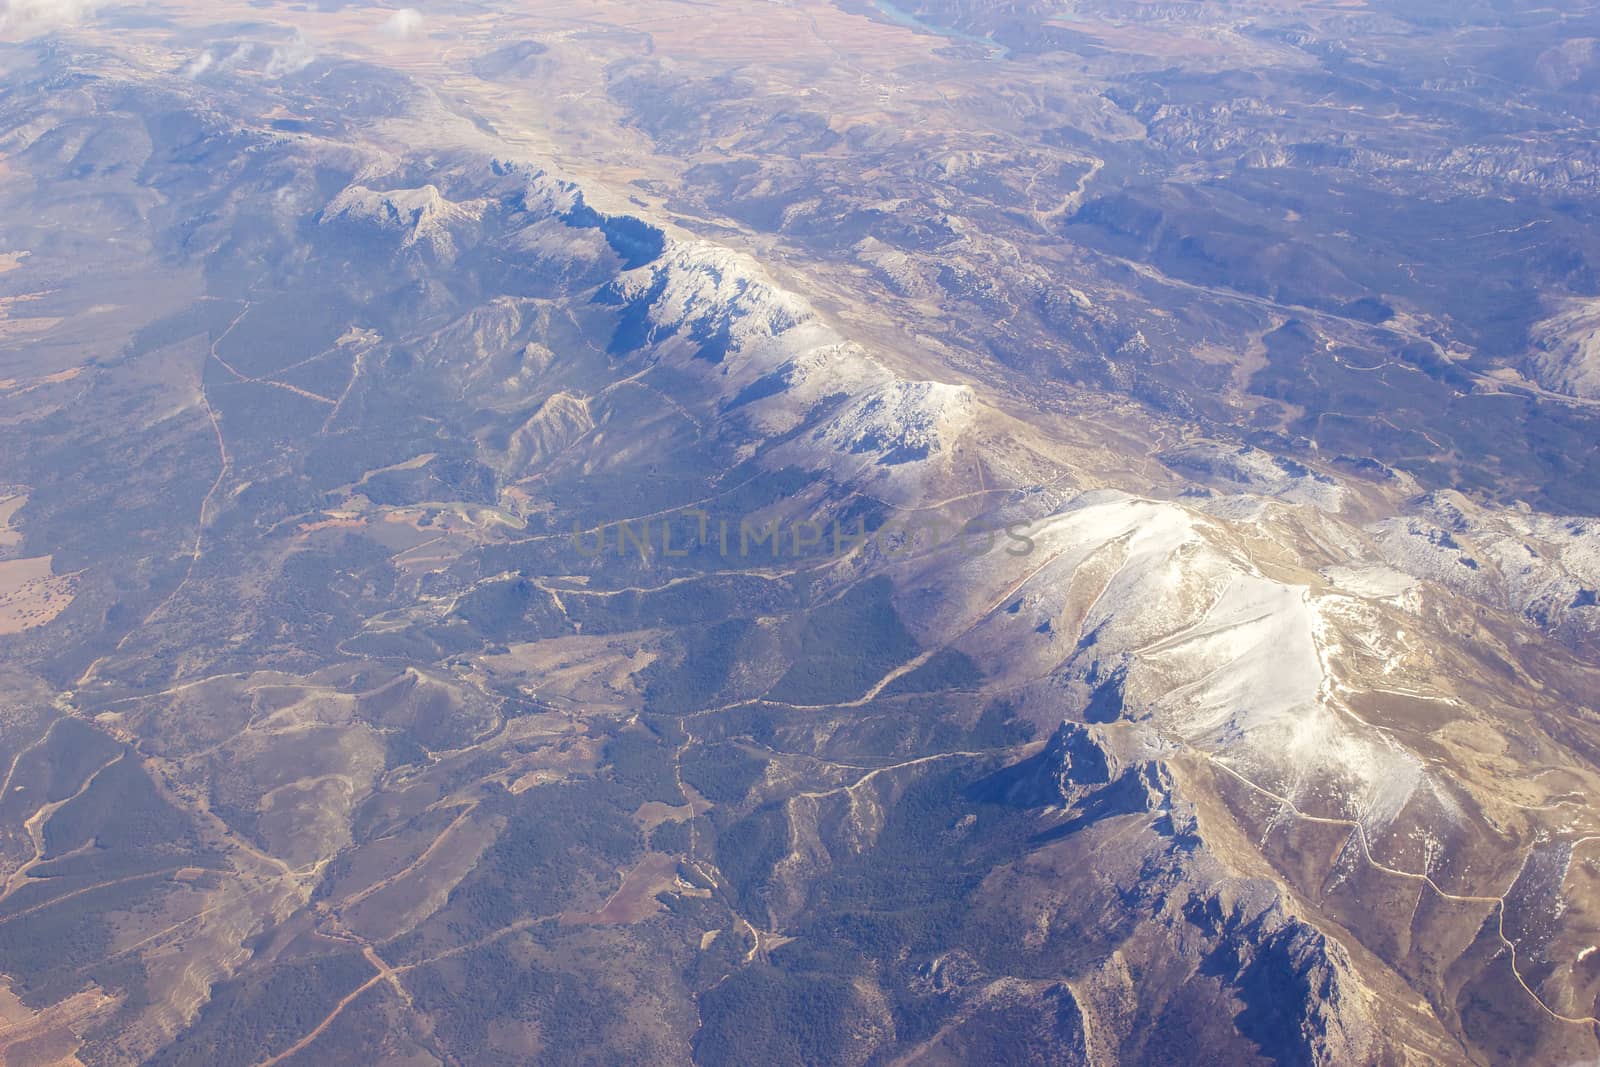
{"x": 1302, "y": 999}
{"x": 419, "y": 216}
{"x": 1545, "y": 568}
{"x": 559, "y": 422}
{"x": 1566, "y": 349}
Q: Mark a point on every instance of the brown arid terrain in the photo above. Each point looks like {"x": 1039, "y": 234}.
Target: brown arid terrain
{"x": 799, "y": 533}
{"x": 31, "y": 593}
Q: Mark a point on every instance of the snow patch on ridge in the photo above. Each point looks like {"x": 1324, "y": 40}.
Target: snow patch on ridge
{"x": 1208, "y": 650}
{"x": 782, "y": 366}
{"x": 720, "y": 299}
{"x": 1250, "y": 470}
{"x": 417, "y": 216}
{"x": 900, "y": 422}
{"x": 1545, "y": 568}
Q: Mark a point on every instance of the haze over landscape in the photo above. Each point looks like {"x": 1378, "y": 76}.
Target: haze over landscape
{"x": 946, "y": 532}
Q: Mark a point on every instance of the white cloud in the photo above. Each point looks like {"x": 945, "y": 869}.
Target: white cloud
{"x": 272, "y": 61}
{"x": 290, "y": 58}
{"x": 29, "y": 17}
{"x": 218, "y": 61}
{"x": 403, "y": 23}
{"x": 199, "y": 65}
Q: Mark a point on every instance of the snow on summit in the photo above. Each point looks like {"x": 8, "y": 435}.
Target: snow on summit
{"x": 419, "y": 216}
{"x": 902, "y": 421}
{"x": 715, "y": 295}
{"x": 1147, "y": 604}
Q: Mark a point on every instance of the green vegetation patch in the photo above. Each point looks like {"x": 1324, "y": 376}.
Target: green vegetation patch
{"x": 845, "y": 646}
